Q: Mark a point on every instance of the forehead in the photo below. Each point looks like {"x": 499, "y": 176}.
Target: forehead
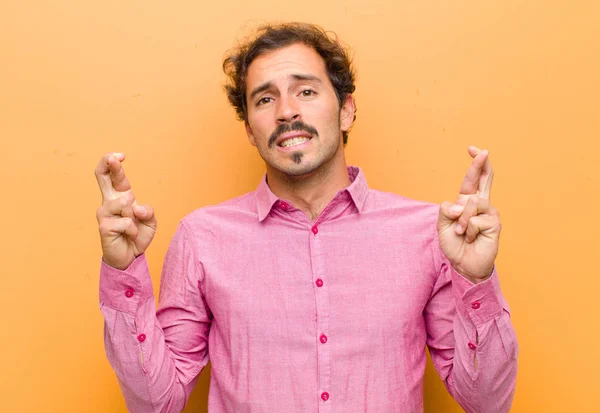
{"x": 281, "y": 63}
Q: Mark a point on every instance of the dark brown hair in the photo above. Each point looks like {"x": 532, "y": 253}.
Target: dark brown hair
{"x": 272, "y": 37}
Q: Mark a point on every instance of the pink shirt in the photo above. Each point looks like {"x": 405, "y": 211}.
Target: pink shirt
{"x": 330, "y": 316}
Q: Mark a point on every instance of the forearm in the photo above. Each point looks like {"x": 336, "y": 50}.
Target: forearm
{"x": 483, "y": 374}
{"x": 146, "y": 372}
{"x": 135, "y": 344}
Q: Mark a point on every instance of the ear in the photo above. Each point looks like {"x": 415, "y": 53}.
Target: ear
{"x": 251, "y": 138}
{"x": 347, "y": 113}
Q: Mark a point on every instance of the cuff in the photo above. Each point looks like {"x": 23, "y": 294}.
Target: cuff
{"x": 124, "y": 290}
{"x": 480, "y": 302}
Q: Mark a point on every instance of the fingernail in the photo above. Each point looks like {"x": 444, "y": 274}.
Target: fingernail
{"x": 457, "y": 209}
{"x": 459, "y": 229}
{"x": 118, "y": 154}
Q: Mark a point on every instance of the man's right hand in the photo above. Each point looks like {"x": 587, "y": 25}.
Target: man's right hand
{"x": 126, "y": 228}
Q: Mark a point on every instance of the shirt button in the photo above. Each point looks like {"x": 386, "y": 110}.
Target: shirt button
{"x": 325, "y": 396}
{"x": 283, "y": 205}
{"x": 475, "y": 305}
{"x": 129, "y": 293}
{"x": 319, "y": 282}
{"x": 472, "y": 346}
{"x": 141, "y": 337}
{"x": 315, "y": 230}
{"x": 323, "y": 338}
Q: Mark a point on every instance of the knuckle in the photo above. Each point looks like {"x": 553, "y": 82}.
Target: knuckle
{"x": 123, "y": 201}
{"x": 473, "y": 226}
{"x": 110, "y": 205}
{"x": 103, "y": 227}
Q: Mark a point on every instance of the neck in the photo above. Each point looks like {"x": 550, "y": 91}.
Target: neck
{"x": 311, "y": 192}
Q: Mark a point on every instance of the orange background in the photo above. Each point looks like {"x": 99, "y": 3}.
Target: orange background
{"x": 77, "y": 79}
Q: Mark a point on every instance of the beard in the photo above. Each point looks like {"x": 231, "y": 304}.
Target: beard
{"x": 299, "y": 163}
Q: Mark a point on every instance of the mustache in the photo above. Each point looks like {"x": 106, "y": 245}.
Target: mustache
{"x": 297, "y": 126}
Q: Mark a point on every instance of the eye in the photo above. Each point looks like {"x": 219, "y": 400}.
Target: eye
{"x": 308, "y": 92}
{"x": 263, "y": 101}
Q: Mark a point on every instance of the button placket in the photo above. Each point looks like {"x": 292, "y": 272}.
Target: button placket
{"x": 322, "y": 314}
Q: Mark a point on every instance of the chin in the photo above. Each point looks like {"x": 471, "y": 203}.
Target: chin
{"x": 303, "y": 168}
{"x": 299, "y": 163}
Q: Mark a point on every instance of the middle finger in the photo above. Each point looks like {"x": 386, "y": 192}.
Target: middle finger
{"x": 473, "y": 207}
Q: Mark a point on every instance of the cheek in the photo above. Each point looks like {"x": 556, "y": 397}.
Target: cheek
{"x": 329, "y": 119}
{"x": 323, "y": 116}
{"x": 260, "y": 123}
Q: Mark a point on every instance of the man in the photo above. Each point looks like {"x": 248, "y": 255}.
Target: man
{"x": 314, "y": 292}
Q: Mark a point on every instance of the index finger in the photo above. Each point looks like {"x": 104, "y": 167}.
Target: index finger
{"x": 479, "y": 176}
{"x": 111, "y": 175}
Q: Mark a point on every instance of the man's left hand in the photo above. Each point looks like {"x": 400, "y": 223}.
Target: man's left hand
{"x": 469, "y": 230}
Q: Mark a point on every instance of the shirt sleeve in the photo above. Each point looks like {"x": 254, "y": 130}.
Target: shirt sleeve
{"x": 157, "y": 355}
{"x": 471, "y": 340}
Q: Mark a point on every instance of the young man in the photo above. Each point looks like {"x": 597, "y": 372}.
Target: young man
{"x": 314, "y": 292}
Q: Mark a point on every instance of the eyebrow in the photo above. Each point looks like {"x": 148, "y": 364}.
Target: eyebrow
{"x": 268, "y": 84}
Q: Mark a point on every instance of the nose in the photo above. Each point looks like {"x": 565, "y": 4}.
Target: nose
{"x": 287, "y": 110}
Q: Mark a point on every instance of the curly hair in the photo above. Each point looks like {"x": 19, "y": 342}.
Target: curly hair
{"x": 272, "y": 37}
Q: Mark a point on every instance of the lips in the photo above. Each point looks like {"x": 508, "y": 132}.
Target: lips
{"x": 285, "y": 131}
{"x": 291, "y": 135}
{"x": 295, "y": 144}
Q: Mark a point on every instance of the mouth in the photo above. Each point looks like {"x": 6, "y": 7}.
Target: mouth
{"x": 293, "y": 141}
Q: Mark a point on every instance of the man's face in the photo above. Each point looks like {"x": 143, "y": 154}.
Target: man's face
{"x": 294, "y": 117}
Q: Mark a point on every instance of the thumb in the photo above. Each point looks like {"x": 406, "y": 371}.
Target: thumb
{"x": 449, "y": 213}
{"x": 145, "y": 213}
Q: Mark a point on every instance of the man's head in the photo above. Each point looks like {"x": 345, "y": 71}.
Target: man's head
{"x": 293, "y": 80}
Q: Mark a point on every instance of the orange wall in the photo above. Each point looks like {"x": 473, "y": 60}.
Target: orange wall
{"x": 77, "y": 79}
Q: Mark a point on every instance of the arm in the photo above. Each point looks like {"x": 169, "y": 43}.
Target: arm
{"x": 470, "y": 336}
{"x": 471, "y": 341}
{"x": 157, "y": 356}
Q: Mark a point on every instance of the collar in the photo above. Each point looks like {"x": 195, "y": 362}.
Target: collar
{"x": 358, "y": 190}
